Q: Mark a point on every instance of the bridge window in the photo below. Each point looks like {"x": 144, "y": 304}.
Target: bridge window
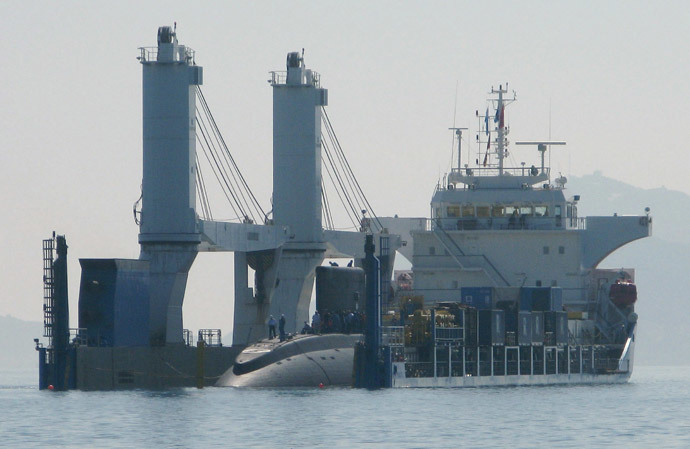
{"x": 541, "y": 211}
{"x": 511, "y": 209}
{"x": 468, "y": 211}
{"x": 497, "y": 211}
{"x": 483, "y": 211}
{"x": 526, "y": 210}
{"x": 453, "y": 211}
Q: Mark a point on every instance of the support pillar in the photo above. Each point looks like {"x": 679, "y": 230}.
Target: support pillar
{"x": 169, "y": 268}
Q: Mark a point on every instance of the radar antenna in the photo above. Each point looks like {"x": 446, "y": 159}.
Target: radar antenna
{"x": 542, "y": 147}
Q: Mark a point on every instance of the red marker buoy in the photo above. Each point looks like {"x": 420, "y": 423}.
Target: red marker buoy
{"x": 320, "y": 385}
{"x": 50, "y": 387}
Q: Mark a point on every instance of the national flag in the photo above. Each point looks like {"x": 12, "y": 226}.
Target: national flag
{"x": 486, "y": 121}
{"x": 497, "y": 115}
{"x": 488, "y": 145}
{"x": 501, "y": 120}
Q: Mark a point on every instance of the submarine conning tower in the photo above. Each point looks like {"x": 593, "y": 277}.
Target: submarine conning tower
{"x": 168, "y": 232}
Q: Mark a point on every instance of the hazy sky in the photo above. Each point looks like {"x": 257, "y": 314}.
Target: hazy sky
{"x": 615, "y": 76}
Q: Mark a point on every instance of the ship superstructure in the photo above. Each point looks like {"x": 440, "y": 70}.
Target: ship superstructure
{"x": 506, "y": 276}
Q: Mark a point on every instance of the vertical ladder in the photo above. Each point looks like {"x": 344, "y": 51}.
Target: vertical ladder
{"x": 48, "y": 289}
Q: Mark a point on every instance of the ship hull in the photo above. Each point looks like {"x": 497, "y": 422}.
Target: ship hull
{"x": 504, "y": 381}
{"x": 620, "y": 375}
{"x": 327, "y": 360}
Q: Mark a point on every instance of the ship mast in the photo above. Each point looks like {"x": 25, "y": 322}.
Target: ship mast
{"x": 501, "y": 130}
{"x": 458, "y": 133}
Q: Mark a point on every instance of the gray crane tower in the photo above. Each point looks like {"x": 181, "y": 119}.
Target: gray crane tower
{"x": 284, "y": 251}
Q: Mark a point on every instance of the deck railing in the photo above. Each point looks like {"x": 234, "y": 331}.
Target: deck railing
{"x": 393, "y": 335}
{"x": 77, "y": 336}
{"x": 494, "y": 171}
{"x": 527, "y": 223}
{"x": 211, "y": 337}
{"x": 279, "y": 77}
{"x": 449, "y": 334}
{"x": 150, "y": 54}
{"x": 538, "y": 360}
{"x": 187, "y": 337}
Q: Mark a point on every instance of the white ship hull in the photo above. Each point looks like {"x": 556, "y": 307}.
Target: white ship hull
{"x": 504, "y": 381}
{"x": 622, "y": 375}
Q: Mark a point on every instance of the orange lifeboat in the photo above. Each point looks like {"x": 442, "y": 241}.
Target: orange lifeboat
{"x": 623, "y": 293}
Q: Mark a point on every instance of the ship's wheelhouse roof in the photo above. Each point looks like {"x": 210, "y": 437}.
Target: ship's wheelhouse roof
{"x": 498, "y": 196}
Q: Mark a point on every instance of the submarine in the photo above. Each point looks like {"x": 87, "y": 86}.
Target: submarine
{"x": 301, "y": 361}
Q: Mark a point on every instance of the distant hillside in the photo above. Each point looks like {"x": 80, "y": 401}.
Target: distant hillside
{"x": 17, "y": 339}
{"x": 603, "y": 196}
{"x": 660, "y": 262}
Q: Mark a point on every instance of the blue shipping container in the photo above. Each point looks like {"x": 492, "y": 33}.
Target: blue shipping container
{"x": 470, "y": 317}
{"x": 541, "y": 299}
{"x": 557, "y": 323}
{"x": 511, "y": 321}
{"x": 491, "y": 326}
{"x": 537, "y": 327}
{"x": 524, "y": 328}
{"x": 478, "y": 297}
{"x": 556, "y": 299}
{"x": 114, "y": 302}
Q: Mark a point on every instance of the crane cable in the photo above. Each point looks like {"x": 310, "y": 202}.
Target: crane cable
{"x": 336, "y": 179}
{"x": 241, "y": 183}
{"x": 233, "y": 184}
{"x": 240, "y": 197}
{"x": 221, "y": 177}
{"x": 328, "y": 217}
{"x": 355, "y": 194}
{"x": 201, "y": 191}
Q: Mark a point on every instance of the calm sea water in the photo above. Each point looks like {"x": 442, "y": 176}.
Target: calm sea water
{"x": 653, "y": 410}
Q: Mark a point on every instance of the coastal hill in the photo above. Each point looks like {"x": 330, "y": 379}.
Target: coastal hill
{"x": 17, "y": 348}
{"x": 660, "y": 263}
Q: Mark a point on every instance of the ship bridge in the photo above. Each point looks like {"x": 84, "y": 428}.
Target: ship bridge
{"x": 502, "y": 209}
{"x": 497, "y": 226}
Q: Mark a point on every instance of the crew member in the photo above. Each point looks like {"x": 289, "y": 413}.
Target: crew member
{"x": 272, "y": 328}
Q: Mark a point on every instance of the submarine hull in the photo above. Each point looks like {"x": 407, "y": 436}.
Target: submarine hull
{"x": 303, "y": 361}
